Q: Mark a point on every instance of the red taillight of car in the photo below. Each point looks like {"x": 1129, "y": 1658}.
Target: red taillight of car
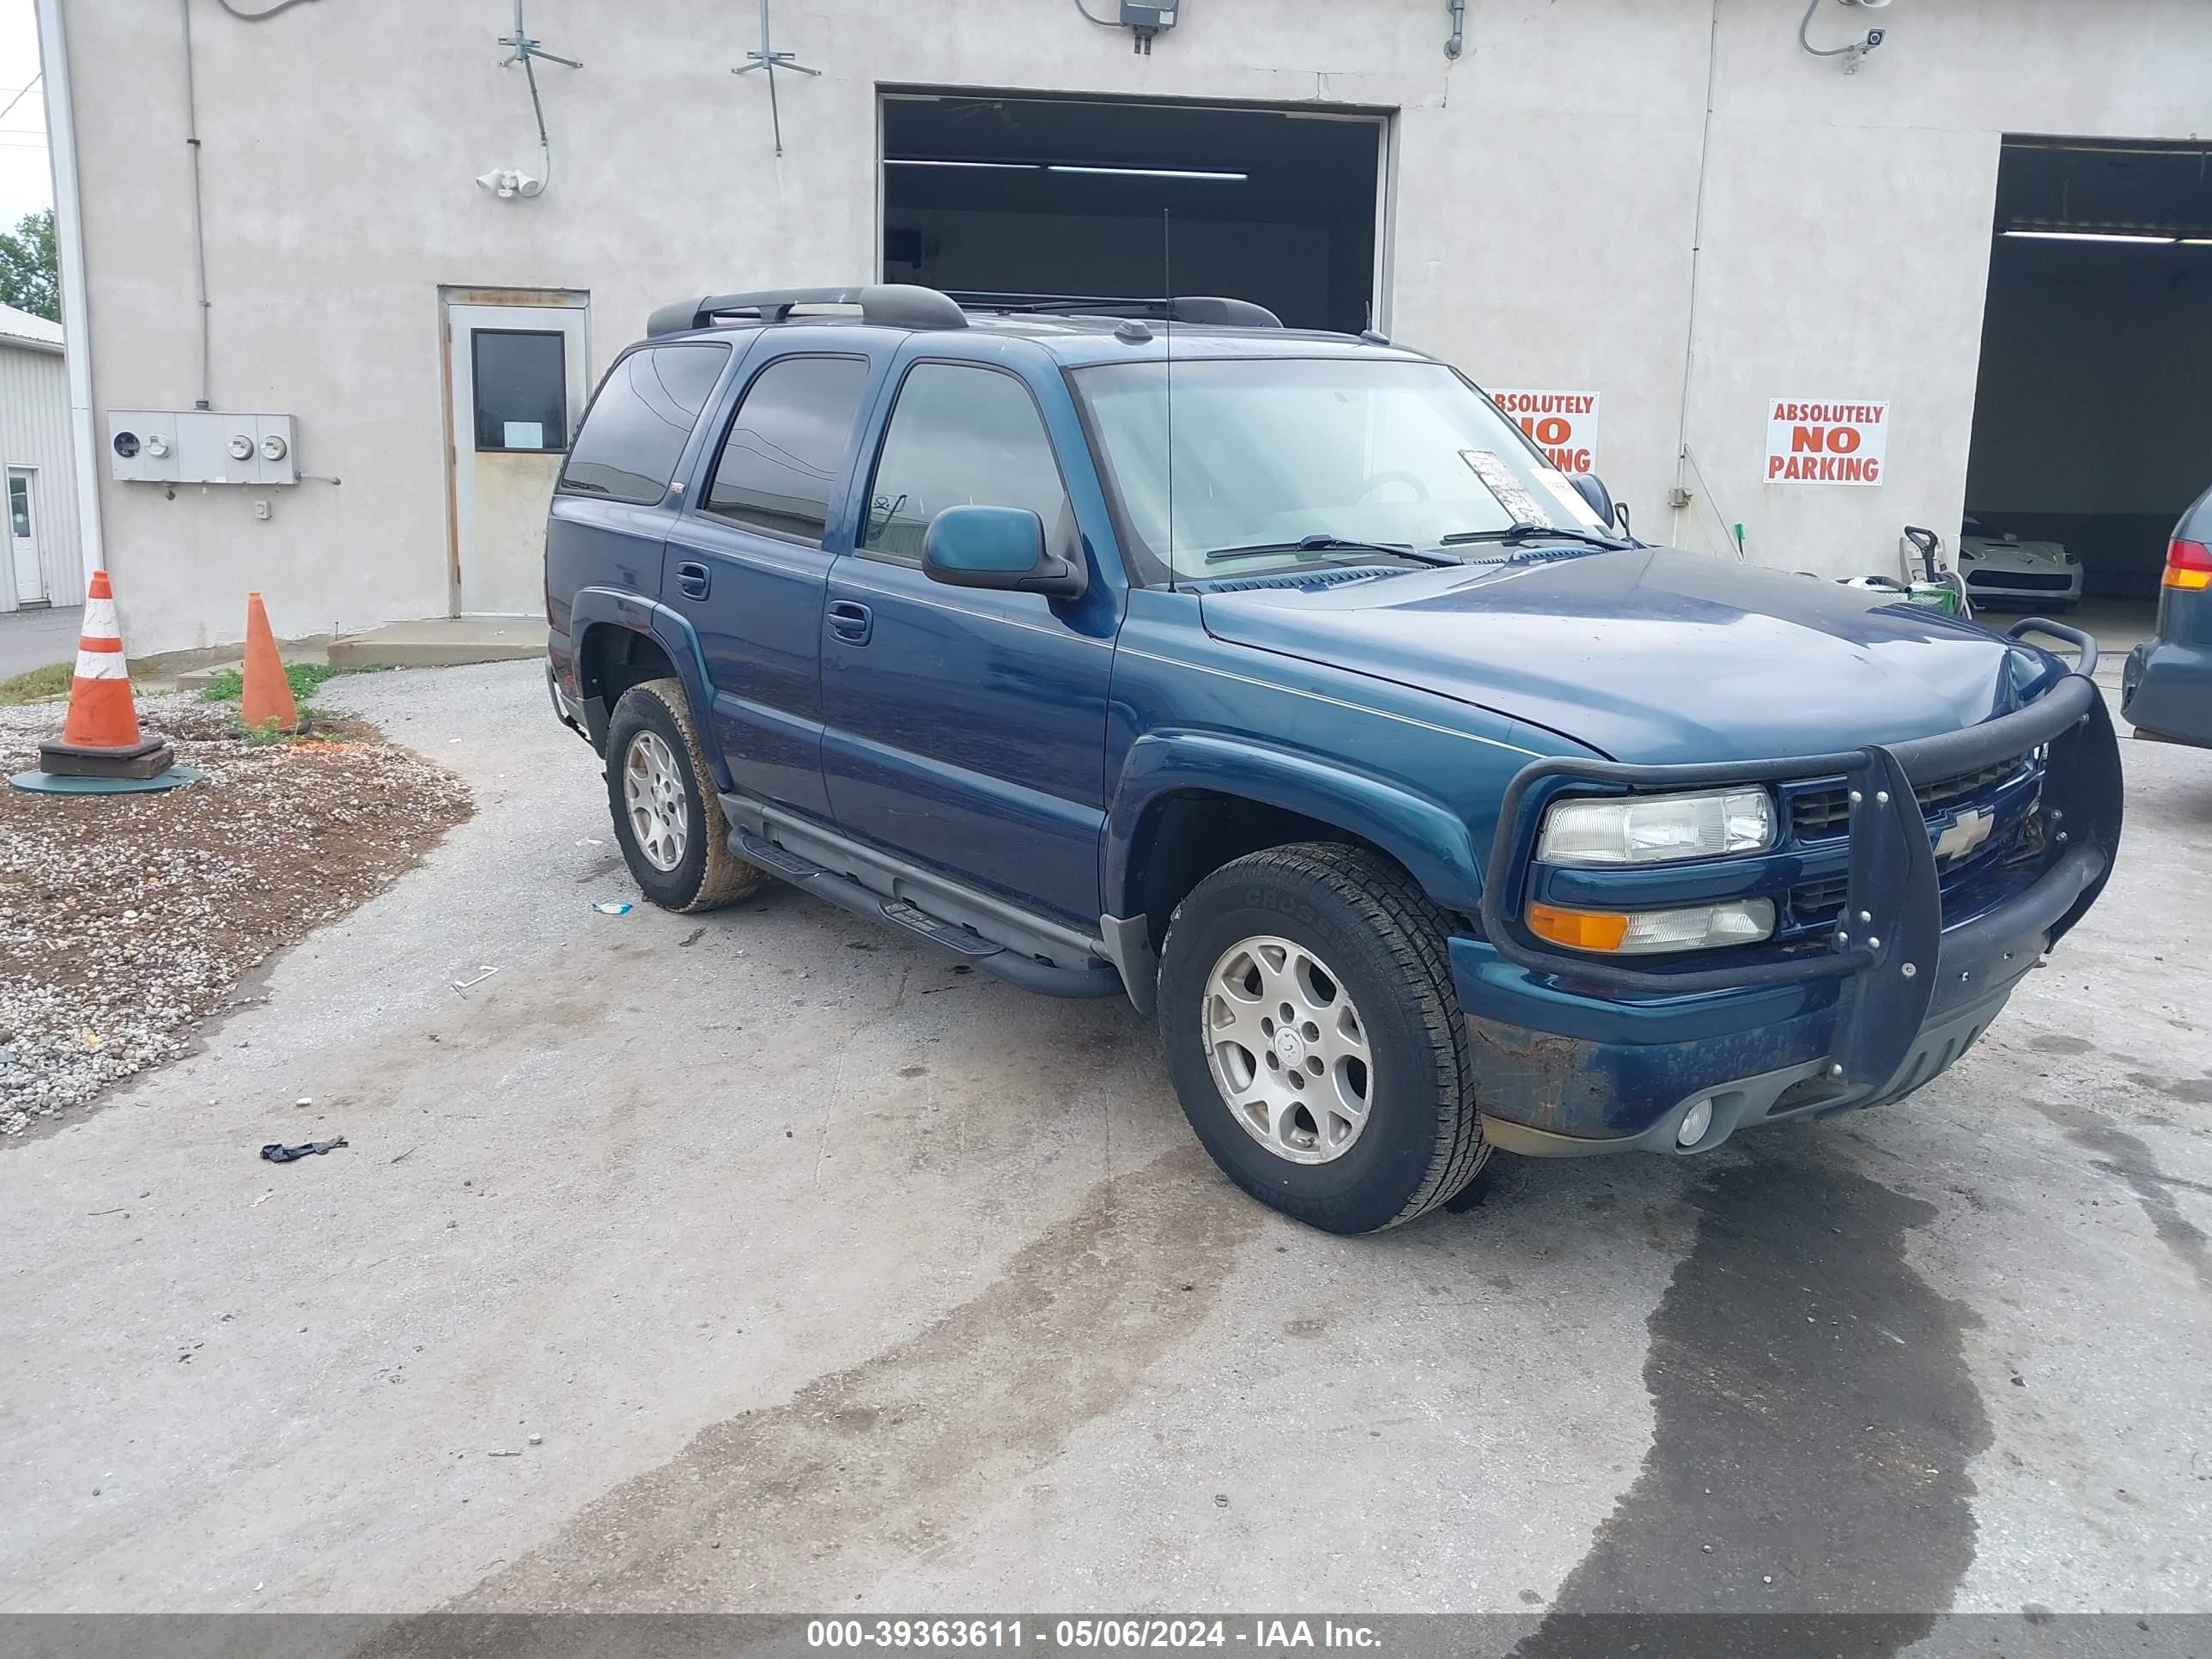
{"x": 2188, "y": 565}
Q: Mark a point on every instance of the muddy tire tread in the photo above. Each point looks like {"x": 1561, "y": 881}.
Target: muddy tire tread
{"x": 725, "y": 877}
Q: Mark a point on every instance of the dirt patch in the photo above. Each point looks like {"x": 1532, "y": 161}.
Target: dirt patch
{"x": 125, "y": 921}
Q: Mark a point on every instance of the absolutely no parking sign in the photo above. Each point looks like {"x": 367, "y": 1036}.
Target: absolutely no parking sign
{"x": 1825, "y": 441}
{"x": 1563, "y": 424}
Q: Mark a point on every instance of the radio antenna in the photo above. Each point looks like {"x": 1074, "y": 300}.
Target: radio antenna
{"x": 1167, "y": 330}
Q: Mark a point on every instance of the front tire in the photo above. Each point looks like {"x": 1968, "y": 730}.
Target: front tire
{"x": 667, "y": 819}
{"x": 1314, "y": 1040}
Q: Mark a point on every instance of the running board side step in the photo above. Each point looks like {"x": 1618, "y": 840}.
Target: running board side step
{"x": 1099, "y": 980}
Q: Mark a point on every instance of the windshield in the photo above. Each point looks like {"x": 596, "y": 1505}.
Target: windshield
{"x": 1269, "y": 454}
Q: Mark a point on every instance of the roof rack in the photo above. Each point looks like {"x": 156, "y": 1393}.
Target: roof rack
{"x": 1202, "y": 309}
{"x": 894, "y": 305}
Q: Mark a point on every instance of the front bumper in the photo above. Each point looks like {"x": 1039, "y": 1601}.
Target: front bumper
{"x": 1987, "y": 586}
{"x": 1577, "y": 1054}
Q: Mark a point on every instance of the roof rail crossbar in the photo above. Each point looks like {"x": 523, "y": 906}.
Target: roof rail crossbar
{"x": 1197, "y": 308}
{"x": 893, "y": 305}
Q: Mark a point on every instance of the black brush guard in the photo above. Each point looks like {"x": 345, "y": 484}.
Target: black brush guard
{"x": 1896, "y": 962}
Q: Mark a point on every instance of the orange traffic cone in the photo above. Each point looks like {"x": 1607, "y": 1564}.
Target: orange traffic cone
{"x": 101, "y": 738}
{"x": 268, "y": 694}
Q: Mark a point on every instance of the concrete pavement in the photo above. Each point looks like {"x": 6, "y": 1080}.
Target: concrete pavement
{"x": 831, "y": 1277}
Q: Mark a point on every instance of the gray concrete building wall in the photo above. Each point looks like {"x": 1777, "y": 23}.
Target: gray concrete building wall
{"x": 1544, "y": 201}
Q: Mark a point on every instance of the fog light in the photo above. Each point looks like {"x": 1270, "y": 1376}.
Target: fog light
{"x": 1695, "y": 1122}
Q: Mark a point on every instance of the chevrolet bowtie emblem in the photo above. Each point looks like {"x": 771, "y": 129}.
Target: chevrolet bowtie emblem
{"x": 1967, "y": 831}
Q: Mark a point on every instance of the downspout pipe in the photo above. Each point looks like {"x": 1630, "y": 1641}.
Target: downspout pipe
{"x": 199, "y": 236}
{"x": 68, "y": 247}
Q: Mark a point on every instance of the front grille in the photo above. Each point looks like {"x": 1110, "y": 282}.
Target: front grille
{"x": 1816, "y": 814}
{"x": 1819, "y": 901}
{"x": 2030, "y": 581}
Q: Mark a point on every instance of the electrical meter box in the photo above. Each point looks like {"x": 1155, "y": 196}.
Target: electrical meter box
{"x": 1138, "y": 15}
{"x": 201, "y": 447}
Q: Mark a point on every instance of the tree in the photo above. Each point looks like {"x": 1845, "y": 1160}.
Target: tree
{"x": 29, "y": 278}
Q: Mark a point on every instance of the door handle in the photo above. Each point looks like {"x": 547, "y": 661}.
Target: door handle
{"x": 850, "y": 622}
{"x": 692, "y": 579}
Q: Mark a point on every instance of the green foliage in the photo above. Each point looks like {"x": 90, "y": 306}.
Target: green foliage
{"x": 229, "y": 685}
{"x": 30, "y": 279}
{"x": 38, "y": 685}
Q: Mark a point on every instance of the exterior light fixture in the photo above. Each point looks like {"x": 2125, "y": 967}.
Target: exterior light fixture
{"x": 2092, "y": 236}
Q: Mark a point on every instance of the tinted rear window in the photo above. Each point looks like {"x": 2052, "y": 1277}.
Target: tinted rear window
{"x": 634, "y": 434}
{"x": 780, "y": 464}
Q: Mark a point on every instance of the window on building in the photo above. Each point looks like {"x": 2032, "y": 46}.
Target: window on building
{"x": 959, "y": 437}
{"x": 521, "y": 389}
{"x": 779, "y": 466}
{"x": 635, "y": 434}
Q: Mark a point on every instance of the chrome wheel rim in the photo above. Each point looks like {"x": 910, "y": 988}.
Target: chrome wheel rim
{"x": 653, "y": 796}
{"x": 1288, "y": 1049}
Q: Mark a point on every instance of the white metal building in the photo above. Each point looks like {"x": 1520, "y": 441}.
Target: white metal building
{"x": 1754, "y": 271}
{"x": 42, "y": 567}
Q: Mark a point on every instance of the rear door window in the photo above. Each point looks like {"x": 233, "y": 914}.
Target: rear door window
{"x": 959, "y": 436}
{"x": 780, "y": 464}
{"x": 634, "y": 434}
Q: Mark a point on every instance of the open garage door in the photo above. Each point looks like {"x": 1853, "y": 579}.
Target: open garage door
{"x": 1052, "y": 197}
{"x": 2092, "y": 421}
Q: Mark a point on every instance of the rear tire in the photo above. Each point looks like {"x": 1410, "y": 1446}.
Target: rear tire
{"x": 667, "y": 817}
{"x": 1355, "y": 1111}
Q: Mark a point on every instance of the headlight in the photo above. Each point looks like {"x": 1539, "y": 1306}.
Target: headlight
{"x": 1645, "y": 932}
{"x": 1650, "y": 829}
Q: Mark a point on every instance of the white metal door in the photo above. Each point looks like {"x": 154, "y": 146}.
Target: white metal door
{"x": 23, "y": 536}
{"x": 518, "y": 378}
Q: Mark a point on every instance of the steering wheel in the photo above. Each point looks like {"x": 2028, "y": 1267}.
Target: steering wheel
{"x": 1369, "y": 486}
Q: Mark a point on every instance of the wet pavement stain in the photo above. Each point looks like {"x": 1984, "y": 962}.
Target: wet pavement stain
{"x": 2129, "y": 1161}
{"x": 2192, "y": 1091}
{"x": 1815, "y": 1420}
{"x": 877, "y": 1466}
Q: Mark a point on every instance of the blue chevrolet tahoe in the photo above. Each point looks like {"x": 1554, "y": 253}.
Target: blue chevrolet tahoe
{"x": 1274, "y": 680}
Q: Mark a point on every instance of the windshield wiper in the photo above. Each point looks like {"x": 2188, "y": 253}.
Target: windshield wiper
{"x": 1324, "y": 543}
{"x": 1521, "y": 533}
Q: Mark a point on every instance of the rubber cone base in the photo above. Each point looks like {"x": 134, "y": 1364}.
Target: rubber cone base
{"x": 149, "y": 759}
{"x": 63, "y": 783}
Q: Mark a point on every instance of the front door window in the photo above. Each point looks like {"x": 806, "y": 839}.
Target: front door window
{"x": 960, "y": 437}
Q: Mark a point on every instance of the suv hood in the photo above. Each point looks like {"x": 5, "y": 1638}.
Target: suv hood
{"x": 1653, "y": 656}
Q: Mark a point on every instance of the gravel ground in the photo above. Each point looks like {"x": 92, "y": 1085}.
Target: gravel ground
{"x": 126, "y": 920}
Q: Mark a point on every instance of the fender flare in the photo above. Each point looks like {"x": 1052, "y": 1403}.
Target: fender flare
{"x": 594, "y": 608}
{"x": 1434, "y": 844}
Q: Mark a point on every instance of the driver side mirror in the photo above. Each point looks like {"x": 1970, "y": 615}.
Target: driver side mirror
{"x": 998, "y": 547}
{"x": 1592, "y": 490}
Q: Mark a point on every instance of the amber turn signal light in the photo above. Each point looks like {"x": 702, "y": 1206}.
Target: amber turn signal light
{"x": 1578, "y": 930}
